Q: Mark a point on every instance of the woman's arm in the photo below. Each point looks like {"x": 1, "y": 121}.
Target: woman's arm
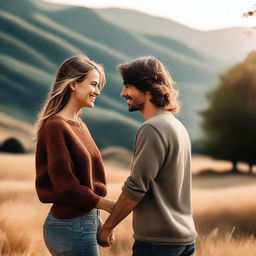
{"x": 105, "y": 204}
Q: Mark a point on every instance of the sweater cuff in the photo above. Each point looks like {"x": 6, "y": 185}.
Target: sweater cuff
{"x": 100, "y": 189}
{"x": 92, "y": 199}
{"x": 131, "y": 192}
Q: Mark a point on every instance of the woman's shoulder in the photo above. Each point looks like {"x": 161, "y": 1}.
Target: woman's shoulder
{"x": 54, "y": 125}
{"x": 54, "y": 121}
{"x": 53, "y": 128}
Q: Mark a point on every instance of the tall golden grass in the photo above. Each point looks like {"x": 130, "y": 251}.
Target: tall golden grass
{"x": 224, "y": 214}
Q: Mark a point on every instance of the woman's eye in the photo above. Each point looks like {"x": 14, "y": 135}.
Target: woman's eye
{"x": 95, "y": 85}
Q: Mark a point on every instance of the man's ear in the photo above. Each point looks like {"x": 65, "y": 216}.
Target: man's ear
{"x": 148, "y": 94}
{"x": 72, "y": 86}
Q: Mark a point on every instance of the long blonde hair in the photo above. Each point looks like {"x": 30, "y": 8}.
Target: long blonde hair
{"x": 73, "y": 69}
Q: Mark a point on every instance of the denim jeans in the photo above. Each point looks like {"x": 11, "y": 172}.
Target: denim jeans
{"x": 72, "y": 236}
{"x": 159, "y": 249}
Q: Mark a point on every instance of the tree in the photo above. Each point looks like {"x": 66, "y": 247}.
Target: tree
{"x": 12, "y": 145}
{"x": 230, "y": 119}
{"x": 250, "y": 13}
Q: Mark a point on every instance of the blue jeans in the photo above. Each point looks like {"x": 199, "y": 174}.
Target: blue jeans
{"x": 158, "y": 249}
{"x": 72, "y": 236}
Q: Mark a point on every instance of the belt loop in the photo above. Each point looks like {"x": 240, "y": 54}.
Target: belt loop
{"x": 98, "y": 214}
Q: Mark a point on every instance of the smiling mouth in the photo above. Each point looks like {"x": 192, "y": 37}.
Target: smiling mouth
{"x": 129, "y": 99}
{"x": 92, "y": 99}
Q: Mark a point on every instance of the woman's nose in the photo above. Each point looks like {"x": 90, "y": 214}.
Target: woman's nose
{"x": 97, "y": 91}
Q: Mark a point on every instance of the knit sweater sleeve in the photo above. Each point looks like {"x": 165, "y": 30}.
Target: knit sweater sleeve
{"x": 148, "y": 158}
{"x": 61, "y": 171}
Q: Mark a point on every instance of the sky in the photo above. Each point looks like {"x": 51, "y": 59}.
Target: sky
{"x": 198, "y": 14}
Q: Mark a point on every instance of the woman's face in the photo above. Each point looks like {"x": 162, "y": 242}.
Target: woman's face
{"x": 86, "y": 91}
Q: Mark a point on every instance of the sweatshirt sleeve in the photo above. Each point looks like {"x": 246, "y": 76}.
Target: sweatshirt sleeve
{"x": 61, "y": 171}
{"x": 148, "y": 158}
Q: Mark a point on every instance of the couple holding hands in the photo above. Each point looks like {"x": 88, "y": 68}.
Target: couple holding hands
{"x": 70, "y": 171}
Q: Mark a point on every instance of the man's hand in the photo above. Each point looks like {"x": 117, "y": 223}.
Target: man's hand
{"x": 105, "y": 237}
{"x": 121, "y": 209}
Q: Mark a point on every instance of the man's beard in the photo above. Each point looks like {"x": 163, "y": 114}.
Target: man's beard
{"x": 136, "y": 106}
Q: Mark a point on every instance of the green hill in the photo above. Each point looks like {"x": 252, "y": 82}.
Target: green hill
{"x": 225, "y": 46}
{"x": 37, "y": 36}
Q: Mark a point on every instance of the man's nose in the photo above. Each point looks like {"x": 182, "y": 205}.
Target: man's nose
{"x": 123, "y": 93}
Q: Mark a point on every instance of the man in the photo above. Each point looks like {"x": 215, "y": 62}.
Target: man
{"x": 158, "y": 190}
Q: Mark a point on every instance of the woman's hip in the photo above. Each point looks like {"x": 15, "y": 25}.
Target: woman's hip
{"x": 72, "y": 236}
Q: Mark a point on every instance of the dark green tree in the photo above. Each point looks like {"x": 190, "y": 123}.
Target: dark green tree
{"x": 12, "y": 145}
{"x": 229, "y": 121}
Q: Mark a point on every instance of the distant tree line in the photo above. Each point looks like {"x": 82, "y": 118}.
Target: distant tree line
{"x": 229, "y": 121}
{"x": 12, "y": 145}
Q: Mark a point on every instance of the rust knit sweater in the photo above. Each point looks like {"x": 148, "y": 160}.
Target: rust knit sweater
{"x": 69, "y": 168}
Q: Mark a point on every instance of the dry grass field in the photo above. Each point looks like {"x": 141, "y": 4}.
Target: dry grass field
{"x": 224, "y": 209}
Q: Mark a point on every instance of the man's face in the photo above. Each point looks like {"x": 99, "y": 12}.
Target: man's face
{"x": 135, "y": 98}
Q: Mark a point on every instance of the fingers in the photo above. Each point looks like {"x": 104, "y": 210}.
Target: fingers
{"x": 111, "y": 238}
{"x": 104, "y": 239}
{"x": 103, "y": 244}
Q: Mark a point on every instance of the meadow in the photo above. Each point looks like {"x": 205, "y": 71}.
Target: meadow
{"x": 224, "y": 209}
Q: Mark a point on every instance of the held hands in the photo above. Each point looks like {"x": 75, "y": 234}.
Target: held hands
{"x": 119, "y": 211}
{"x": 105, "y": 237}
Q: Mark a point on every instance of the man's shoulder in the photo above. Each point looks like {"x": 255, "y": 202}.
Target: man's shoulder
{"x": 165, "y": 124}
{"x": 154, "y": 126}
{"x": 161, "y": 121}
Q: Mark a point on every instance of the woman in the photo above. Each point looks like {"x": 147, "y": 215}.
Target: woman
{"x": 69, "y": 168}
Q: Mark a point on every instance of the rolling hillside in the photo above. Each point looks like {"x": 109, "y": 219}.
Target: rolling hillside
{"x": 225, "y": 46}
{"x": 37, "y": 36}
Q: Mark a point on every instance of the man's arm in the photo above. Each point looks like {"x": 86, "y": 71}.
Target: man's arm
{"x": 122, "y": 208}
{"x": 147, "y": 160}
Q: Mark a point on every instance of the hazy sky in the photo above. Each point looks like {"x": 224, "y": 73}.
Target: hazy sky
{"x": 199, "y": 14}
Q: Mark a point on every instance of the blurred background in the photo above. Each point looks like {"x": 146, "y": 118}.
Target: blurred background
{"x": 210, "y": 51}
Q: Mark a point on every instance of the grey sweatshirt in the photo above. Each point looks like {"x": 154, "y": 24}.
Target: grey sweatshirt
{"x": 161, "y": 181}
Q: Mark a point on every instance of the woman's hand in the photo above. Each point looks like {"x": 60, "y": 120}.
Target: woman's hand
{"x": 105, "y": 237}
{"x": 105, "y": 204}
{"x": 111, "y": 237}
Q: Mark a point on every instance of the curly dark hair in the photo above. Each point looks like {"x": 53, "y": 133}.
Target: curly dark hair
{"x": 149, "y": 74}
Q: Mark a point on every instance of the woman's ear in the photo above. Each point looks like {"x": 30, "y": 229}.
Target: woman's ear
{"x": 72, "y": 86}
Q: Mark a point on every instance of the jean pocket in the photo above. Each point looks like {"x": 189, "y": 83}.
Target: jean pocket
{"x": 89, "y": 223}
{"x": 58, "y": 237}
